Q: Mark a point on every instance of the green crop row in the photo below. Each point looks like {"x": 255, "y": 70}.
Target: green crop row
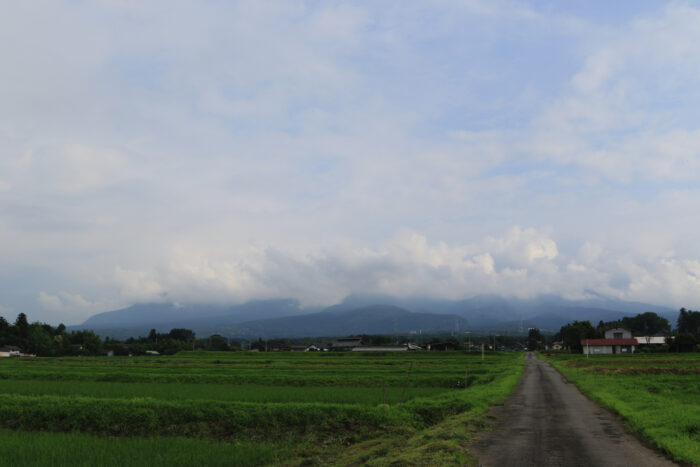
{"x": 149, "y": 417}
{"x": 218, "y": 392}
{"x": 279, "y": 373}
{"x": 221, "y": 360}
{"x": 153, "y": 407}
{"x": 267, "y": 379}
{"x": 80, "y": 450}
{"x": 221, "y": 419}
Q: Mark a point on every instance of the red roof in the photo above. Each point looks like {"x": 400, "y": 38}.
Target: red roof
{"x": 608, "y": 341}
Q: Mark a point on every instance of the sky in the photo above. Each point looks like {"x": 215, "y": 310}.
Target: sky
{"x": 225, "y": 151}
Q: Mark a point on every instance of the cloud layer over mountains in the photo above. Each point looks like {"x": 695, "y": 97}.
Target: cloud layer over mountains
{"x": 226, "y": 151}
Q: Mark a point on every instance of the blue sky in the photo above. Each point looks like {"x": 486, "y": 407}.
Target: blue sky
{"x": 226, "y": 151}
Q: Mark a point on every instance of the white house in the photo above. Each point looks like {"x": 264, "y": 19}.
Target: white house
{"x": 616, "y": 341}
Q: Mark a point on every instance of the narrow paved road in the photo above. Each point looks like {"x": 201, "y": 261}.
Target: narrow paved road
{"x": 548, "y": 422}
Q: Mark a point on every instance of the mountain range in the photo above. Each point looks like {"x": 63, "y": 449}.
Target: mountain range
{"x": 367, "y": 314}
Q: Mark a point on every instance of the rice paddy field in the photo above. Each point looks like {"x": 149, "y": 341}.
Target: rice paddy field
{"x": 657, "y": 394}
{"x": 242, "y": 408}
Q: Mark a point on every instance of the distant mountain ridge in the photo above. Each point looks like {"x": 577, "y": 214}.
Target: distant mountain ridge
{"x": 366, "y": 314}
{"x": 159, "y": 313}
{"x": 374, "y": 319}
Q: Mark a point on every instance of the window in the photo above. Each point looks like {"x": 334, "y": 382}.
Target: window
{"x": 617, "y": 335}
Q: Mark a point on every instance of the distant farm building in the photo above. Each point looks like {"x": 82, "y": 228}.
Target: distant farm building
{"x": 386, "y": 348}
{"x": 348, "y": 343}
{"x": 616, "y": 341}
{"x": 559, "y": 345}
{"x": 650, "y": 340}
{"x": 441, "y": 346}
{"x": 305, "y": 348}
{"x": 10, "y": 351}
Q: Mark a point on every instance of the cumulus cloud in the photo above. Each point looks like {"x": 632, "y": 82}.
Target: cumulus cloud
{"x": 620, "y": 116}
{"x": 71, "y": 306}
{"x": 523, "y": 262}
{"x": 304, "y": 149}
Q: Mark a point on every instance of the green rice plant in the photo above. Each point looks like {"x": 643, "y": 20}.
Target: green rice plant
{"x": 143, "y": 417}
{"x": 324, "y": 401}
{"x": 217, "y": 392}
{"x": 278, "y": 370}
{"x": 74, "y": 449}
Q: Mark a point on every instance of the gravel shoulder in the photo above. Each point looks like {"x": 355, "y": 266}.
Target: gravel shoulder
{"x": 547, "y": 421}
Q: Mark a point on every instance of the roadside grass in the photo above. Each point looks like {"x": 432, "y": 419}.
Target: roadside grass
{"x": 76, "y": 449}
{"x": 443, "y": 443}
{"x": 662, "y": 406}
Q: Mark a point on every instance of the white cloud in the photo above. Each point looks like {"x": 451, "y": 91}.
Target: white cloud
{"x": 80, "y": 168}
{"x": 275, "y": 149}
{"x": 523, "y": 262}
{"x": 71, "y": 306}
{"x": 625, "y": 115}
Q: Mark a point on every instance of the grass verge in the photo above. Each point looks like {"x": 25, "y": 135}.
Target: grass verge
{"x": 443, "y": 443}
{"x": 661, "y": 407}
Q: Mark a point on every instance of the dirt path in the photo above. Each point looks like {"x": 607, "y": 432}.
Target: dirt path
{"x": 548, "y": 422}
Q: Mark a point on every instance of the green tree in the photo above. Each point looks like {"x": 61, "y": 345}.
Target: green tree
{"x": 535, "y": 339}
{"x": 22, "y": 326}
{"x": 183, "y": 335}
{"x": 573, "y": 333}
{"x": 40, "y": 341}
{"x": 217, "y": 342}
{"x": 646, "y": 324}
{"x": 688, "y": 322}
{"x": 90, "y": 342}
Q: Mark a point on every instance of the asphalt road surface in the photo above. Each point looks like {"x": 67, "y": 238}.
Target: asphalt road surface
{"x": 548, "y": 422}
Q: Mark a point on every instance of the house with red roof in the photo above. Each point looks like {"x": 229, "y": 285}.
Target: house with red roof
{"x": 616, "y": 341}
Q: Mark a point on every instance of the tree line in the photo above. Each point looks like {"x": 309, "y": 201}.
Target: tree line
{"x": 45, "y": 340}
{"x": 685, "y": 338}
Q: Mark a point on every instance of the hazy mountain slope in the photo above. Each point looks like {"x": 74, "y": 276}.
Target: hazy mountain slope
{"x": 370, "y": 314}
{"x": 138, "y": 319}
{"x": 376, "y": 319}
